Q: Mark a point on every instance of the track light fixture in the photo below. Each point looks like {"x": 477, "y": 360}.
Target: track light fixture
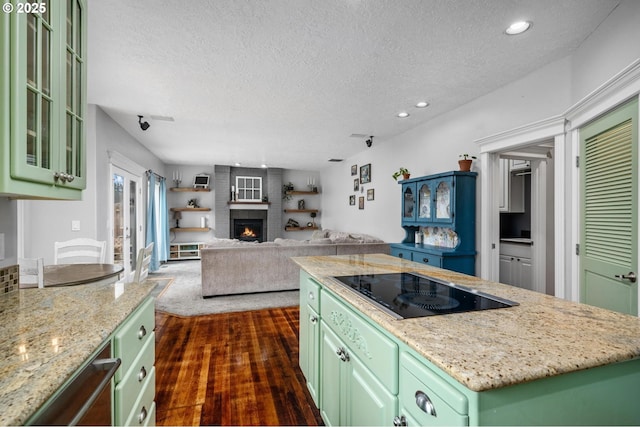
{"x": 369, "y": 141}
{"x": 143, "y": 125}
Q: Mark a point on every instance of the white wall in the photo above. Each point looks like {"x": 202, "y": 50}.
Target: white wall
{"x": 612, "y": 47}
{"x": 434, "y": 147}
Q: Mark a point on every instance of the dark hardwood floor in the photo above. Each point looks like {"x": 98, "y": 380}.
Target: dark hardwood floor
{"x": 231, "y": 369}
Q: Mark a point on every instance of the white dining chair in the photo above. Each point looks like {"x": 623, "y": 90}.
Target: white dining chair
{"x": 142, "y": 263}
{"x": 31, "y": 272}
{"x": 80, "y": 251}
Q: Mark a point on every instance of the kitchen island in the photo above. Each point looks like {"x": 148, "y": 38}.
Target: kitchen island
{"x": 47, "y": 334}
{"x": 545, "y": 361}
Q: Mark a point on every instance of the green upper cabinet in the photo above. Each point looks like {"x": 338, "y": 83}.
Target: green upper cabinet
{"x": 43, "y": 99}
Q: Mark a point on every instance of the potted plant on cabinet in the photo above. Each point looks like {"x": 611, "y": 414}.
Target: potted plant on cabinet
{"x": 402, "y": 171}
{"x": 465, "y": 162}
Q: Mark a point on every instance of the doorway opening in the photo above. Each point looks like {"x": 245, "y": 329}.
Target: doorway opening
{"x": 526, "y": 218}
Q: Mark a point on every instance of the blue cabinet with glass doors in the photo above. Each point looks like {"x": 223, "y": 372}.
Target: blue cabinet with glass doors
{"x": 441, "y": 209}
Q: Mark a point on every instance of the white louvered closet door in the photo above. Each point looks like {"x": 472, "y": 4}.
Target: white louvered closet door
{"x": 609, "y": 241}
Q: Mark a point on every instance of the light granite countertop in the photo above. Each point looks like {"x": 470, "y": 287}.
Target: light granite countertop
{"x": 542, "y": 337}
{"x": 46, "y": 334}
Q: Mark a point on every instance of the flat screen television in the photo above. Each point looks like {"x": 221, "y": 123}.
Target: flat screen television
{"x": 201, "y": 181}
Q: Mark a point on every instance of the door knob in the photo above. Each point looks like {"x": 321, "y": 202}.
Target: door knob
{"x": 630, "y": 277}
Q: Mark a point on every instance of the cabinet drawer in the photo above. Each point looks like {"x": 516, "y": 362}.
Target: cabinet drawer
{"x": 132, "y": 336}
{"x": 377, "y": 352}
{"x": 402, "y": 253}
{"x": 134, "y": 380}
{"x": 417, "y": 383}
{"x": 151, "y": 416}
{"x": 144, "y": 408}
{"x": 515, "y": 249}
{"x": 423, "y": 258}
{"x": 309, "y": 292}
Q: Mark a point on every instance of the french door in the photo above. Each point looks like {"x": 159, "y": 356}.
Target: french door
{"x": 609, "y": 253}
{"x": 127, "y": 209}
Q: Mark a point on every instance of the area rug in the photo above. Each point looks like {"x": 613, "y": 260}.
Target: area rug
{"x": 182, "y": 296}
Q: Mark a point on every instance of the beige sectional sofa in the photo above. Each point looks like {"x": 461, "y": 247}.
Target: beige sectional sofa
{"x": 232, "y": 267}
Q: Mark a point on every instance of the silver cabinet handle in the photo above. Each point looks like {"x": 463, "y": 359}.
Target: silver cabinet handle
{"x": 313, "y": 319}
{"x": 311, "y": 296}
{"x": 424, "y": 403}
{"x": 344, "y": 356}
{"x": 400, "y": 421}
{"x": 142, "y": 332}
{"x": 142, "y": 374}
{"x": 630, "y": 277}
{"x": 64, "y": 177}
{"x": 142, "y": 416}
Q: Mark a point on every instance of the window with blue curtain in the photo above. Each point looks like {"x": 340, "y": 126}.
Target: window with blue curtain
{"x": 157, "y": 220}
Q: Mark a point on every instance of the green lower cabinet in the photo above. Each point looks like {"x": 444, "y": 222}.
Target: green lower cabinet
{"x": 428, "y": 400}
{"x": 135, "y": 380}
{"x": 309, "y": 353}
{"x": 309, "y": 349}
{"x": 350, "y": 394}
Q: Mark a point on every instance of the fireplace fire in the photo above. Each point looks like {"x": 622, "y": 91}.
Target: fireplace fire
{"x": 247, "y": 233}
{"x": 249, "y": 230}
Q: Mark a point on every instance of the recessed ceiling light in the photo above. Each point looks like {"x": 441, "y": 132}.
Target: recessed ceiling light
{"x": 403, "y": 115}
{"x": 237, "y": 163}
{"x": 263, "y": 166}
{"x": 518, "y": 28}
{"x": 422, "y": 104}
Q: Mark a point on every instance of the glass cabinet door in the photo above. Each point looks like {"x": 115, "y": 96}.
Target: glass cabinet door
{"x": 72, "y": 150}
{"x": 47, "y": 139}
{"x": 408, "y": 202}
{"x": 424, "y": 201}
{"x": 443, "y": 199}
{"x": 33, "y": 95}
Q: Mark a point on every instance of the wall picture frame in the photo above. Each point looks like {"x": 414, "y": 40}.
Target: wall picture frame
{"x": 352, "y": 200}
{"x": 370, "y": 194}
{"x": 356, "y": 184}
{"x": 354, "y": 170}
{"x": 365, "y": 173}
{"x": 361, "y": 202}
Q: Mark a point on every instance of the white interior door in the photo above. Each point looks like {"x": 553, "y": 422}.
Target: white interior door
{"x": 126, "y": 224}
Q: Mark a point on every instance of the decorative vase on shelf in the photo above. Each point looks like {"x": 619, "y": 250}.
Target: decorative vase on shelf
{"x": 406, "y": 175}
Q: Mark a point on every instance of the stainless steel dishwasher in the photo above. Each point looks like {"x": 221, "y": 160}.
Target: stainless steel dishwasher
{"x": 86, "y": 399}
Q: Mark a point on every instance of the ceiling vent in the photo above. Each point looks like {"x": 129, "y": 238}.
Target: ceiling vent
{"x": 336, "y": 160}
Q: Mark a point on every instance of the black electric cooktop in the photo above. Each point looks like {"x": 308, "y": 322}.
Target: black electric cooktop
{"x": 407, "y": 295}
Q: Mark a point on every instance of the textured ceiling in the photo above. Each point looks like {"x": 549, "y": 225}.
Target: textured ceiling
{"x": 286, "y": 82}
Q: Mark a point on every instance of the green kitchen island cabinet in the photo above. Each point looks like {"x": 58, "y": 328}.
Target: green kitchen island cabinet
{"x": 357, "y": 386}
{"x": 43, "y": 104}
{"x": 546, "y": 361}
{"x": 309, "y": 354}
